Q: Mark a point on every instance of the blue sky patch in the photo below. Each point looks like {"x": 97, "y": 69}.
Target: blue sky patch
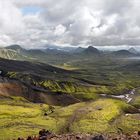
{"x": 31, "y": 10}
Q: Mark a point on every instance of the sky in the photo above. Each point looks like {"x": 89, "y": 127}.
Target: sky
{"x": 39, "y": 23}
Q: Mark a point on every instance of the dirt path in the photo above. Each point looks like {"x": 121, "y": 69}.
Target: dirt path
{"x": 78, "y": 113}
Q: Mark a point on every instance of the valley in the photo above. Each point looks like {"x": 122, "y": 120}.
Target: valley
{"x": 90, "y": 91}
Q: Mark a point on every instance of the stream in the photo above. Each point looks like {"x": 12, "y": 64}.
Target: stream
{"x": 127, "y": 97}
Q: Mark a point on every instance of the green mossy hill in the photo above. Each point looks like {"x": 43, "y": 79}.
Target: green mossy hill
{"x": 100, "y": 116}
{"x": 17, "y": 116}
{"x": 68, "y": 87}
{"x": 78, "y": 90}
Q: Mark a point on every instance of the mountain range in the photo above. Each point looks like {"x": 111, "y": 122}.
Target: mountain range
{"x": 16, "y": 52}
{"x": 83, "y": 86}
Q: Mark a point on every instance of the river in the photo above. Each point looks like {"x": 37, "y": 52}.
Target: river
{"x": 127, "y": 97}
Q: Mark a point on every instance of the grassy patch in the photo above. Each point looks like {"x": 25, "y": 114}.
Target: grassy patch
{"x": 136, "y": 102}
{"x": 129, "y": 123}
{"x": 24, "y": 118}
{"x": 99, "y": 116}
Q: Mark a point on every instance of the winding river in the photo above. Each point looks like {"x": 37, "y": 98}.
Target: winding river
{"x": 127, "y": 97}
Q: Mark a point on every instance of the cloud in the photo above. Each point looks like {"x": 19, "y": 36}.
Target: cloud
{"x": 70, "y": 22}
{"x": 59, "y": 30}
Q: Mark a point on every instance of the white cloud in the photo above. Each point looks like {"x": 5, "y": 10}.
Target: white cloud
{"x": 5, "y": 40}
{"x": 59, "y": 30}
{"x": 73, "y": 22}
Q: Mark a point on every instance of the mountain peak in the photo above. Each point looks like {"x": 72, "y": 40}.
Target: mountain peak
{"x": 90, "y": 47}
{"x": 91, "y": 50}
{"x": 123, "y": 53}
{"x": 14, "y": 47}
{"x": 133, "y": 50}
{"x": 79, "y": 50}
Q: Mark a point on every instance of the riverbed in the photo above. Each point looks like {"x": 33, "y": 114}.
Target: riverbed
{"x": 127, "y": 97}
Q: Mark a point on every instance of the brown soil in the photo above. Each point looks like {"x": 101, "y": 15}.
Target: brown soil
{"x": 134, "y": 136}
{"x": 10, "y": 88}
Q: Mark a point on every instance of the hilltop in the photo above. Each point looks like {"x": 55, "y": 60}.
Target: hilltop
{"x": 14, "y": 47}
{"x": 91, "y": 50}
{"x": 133, "y": 50}
{"x": 123, "y": 53}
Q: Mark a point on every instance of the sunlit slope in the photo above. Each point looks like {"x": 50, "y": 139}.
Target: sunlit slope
{"x": 17, "y": 115}
{"x": 11, "y": 54}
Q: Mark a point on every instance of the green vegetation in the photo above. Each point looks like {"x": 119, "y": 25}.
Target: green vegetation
{"x": 22, "y": 119}
{"x": 12, "y": 74}
{"x": 100, "y": 116}
{"x": 136, "y": 100}
{"x": 129, "y": 123}
{"x": 84, "y": 79}
{"x": 66, "y": 66}
{"x": 77, "y": 90}
{"x": 16, "y": 117}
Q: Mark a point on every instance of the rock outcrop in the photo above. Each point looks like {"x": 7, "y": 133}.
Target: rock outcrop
{"x": 46, "y": 135}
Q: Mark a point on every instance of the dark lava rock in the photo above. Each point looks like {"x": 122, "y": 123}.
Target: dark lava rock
{"x": 138, "y": 133}
{"x": 99, "y": 137}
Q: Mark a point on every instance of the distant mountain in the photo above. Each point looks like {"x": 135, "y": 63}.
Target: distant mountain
{"x": 54, "y": 51}
{"x": 133, "y": 50}
{"x": 35, "y": 52}
{"x": 14, "y": 47}
{"x": 16, "y": 52}
{"x": 66, "y": 49}
{"x": 11, "y": 54}
{"x": 79, "y": 50}
{"x": 59, "y": 48}
{"x": 32, "y": 53}
{"x": 123, "y": 53}
{"x": 91, "y": 50}
{"x": 18, "y": 49}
